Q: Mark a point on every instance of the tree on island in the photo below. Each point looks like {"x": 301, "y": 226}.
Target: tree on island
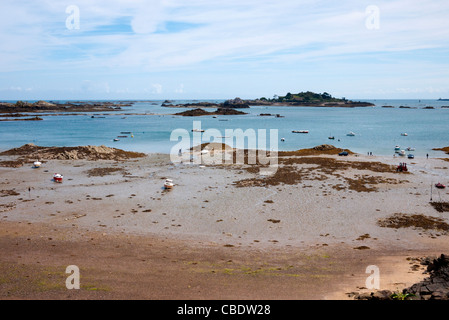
{"x": 307, "y": 96}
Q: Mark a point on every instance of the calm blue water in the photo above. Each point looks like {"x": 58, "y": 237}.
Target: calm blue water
{"x": 377, "y": 129}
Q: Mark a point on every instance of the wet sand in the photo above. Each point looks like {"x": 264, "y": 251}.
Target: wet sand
{"x": 207, "y": 238}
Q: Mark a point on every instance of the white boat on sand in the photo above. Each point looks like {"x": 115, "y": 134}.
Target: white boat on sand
{"x": 168, "y": 184}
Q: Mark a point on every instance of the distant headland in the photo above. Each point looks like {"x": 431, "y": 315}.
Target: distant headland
{"x": 302, "y": 99}
{"x": 44, "y": 106}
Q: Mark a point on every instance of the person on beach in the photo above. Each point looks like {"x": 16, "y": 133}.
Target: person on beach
{"x": 427, "y": 155}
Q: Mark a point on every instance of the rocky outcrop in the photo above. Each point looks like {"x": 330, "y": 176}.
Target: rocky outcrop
{"x": 434, "y": 287}
{"x": 193, "y": 113}
{"x": 236, "y": 103}
{"x": 200, "y": 112}
{"x": 228, "y": 111}
{"x": 31, "y": 152}
{"x": 41, "y": 106}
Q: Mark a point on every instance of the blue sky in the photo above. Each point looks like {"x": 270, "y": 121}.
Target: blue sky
{"x": 206, "y": 49}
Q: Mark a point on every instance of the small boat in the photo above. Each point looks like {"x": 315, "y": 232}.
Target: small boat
{"x": 397, "y": 148}
{"x": 116, "y": 139}
{"x": 410, "y": 149}
{"x": 197, "y": 130}
{"x": 300, "y": 131}
{"x": 122, "y": 136}
{"x": 57, "y": 177}
{"x": 37, "y": 164}
{"x": 168, "y": 184}
{"x": 331, "y": 138}
{"x": 126, "y": 132}
{"x": 404, "y": 134}
{"x": 410, "y": 156}
{"x": 351, "y": 134}
{"x": 282, "y": 139}
{"x": 402, "y": 153}
{"x": 440, "y": 186}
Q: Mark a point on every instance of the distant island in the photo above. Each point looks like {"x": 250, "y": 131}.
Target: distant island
{"x": 236, "y": 103}
{"x": 310, "y": 99}
{"x": 44, "y": 106}
{"x": 302, "y": 99}
{"x": 443, "y": 99}
{"x": 200, "y": 112}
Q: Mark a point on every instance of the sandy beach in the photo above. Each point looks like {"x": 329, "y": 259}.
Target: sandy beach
{"x": 222, "y": 232}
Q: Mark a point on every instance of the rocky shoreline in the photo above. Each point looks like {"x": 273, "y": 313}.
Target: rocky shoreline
{"x": 238, "y": 103}
{"x": 434, "y": 287}
{"x": 44, "y": 106}
{"x": 29, "y": 153}
{"x": 200, "y": 112}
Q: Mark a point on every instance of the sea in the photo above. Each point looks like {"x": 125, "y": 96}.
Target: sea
{"x": 378, "y": 130}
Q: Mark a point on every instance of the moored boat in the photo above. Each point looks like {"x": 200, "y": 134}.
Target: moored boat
{"x": 300, "y": 131}
{"x": 168, "y": 184}
{"x": 351, "y": 134}
{"x": 37, "y": 164}
{"x": 440, "y": 186}
{"x": 58, "y": 177}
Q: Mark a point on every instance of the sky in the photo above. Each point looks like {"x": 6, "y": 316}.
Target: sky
{"x": 208, "y": 49}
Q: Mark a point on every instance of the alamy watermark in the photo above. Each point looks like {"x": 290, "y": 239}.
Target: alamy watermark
{"x": 372, "y": 21}
{"x": 72, "y": 281}
{"x": 73, "y": 20}
{"x": 233, "y": 146}
{"x": 373, "y": 280}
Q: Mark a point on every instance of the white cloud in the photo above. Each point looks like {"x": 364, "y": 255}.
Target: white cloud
{"x": 172, "y": 35}
{"x": 180, "y": 88}
{"x": 157, "y": 88}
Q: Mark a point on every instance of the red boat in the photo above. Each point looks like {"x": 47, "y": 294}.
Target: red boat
{"x": 57, "y": 177}
{"x": 440, "y": 186}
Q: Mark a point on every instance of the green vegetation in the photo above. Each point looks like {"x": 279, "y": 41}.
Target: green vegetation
{"x": 401, "y": 296}
{"x": 308, "y": 96}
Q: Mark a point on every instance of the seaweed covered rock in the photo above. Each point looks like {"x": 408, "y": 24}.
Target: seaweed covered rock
{"x": 436, "y": 286}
